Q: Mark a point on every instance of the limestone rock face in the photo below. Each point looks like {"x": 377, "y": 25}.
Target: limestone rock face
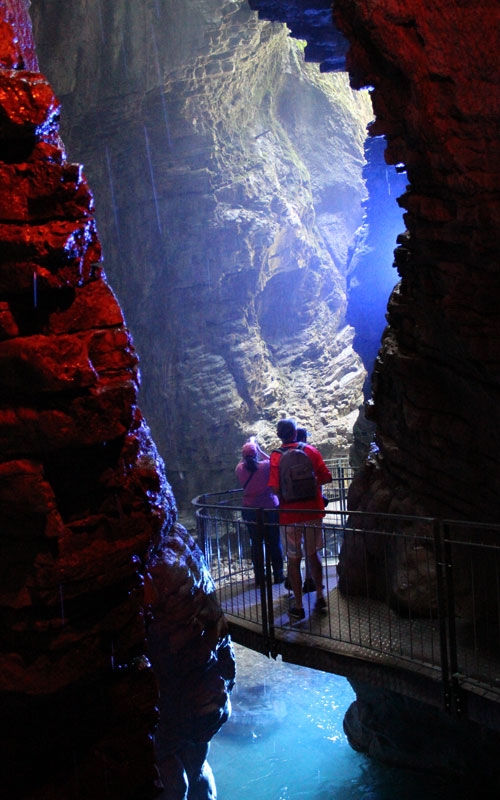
{"x": 435, "y": 383}
{"x": 88, "y": 517}
{"x": 386, "y": 726}
{"x": 229, "y": 186}
{"x": 435, "y": 378}
{"x": 193, "y": 661}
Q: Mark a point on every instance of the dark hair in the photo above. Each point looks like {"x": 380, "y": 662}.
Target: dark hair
{"x": 286, "y": 430}
{"x": 302, "y": 434}
{"x": 251, "y": 463}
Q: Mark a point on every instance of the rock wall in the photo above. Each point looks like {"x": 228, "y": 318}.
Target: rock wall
{"x": 226, "y": 221}
{"x": 92, "y": 560}
{"x": 435, "y": 385}
{"x": 435, "y": 381}
{"x": 430, "y": 68}
{"x": 403, "y": 732}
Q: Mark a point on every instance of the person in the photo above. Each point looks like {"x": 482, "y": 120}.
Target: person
{"x": 302, "y": 531}
{"x": 301, "y": 435}
{"x": 309, "y": 584}
{"x": 252, "y": 473}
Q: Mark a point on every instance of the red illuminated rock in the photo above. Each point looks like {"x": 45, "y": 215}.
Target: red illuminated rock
{"x": 84, "y": 497}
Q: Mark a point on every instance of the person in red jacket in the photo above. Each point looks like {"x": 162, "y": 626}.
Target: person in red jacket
{"x": 302, "y": 531}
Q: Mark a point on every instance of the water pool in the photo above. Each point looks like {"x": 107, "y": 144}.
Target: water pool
{"x": 285, "y": 741}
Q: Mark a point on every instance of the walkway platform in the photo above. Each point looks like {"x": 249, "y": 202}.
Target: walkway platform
{"x": 366, "y": 641}
{"x": 434, "y": 637}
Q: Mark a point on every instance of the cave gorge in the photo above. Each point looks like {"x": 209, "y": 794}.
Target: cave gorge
{"x": 228, "y": 168}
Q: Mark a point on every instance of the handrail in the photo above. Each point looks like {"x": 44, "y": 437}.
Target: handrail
{"x": 415, "y": 591}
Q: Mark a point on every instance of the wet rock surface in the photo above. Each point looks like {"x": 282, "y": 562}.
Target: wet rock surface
{"x": 86, "y": 506}
{"x": 434, "y": 77}
{"x": 226, "y": 220}
{"x": 389, "y": 728}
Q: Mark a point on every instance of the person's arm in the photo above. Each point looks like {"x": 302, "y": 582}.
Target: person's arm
{"x": 323, "y": 474}
{"x": 263, "y": 455}
{"x": 260, "y": 452}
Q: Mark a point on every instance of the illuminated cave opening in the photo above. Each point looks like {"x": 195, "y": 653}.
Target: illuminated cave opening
{"x": 371, "y": 274}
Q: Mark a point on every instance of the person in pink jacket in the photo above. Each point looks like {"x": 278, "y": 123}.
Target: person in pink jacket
{"x": 252, "y": 473}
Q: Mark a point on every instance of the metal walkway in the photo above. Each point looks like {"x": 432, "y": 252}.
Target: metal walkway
{"x": 427, "y": 628}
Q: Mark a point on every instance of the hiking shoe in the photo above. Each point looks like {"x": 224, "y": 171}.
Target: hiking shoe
{"x": 296, "y": 613}
{"x": 309, "y": 586}
{"x": 320, "y": 607}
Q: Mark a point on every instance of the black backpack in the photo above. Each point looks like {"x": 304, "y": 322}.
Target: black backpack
{"x": 297, "y": 477}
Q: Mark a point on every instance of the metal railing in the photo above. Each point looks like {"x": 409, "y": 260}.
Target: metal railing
{"x": 416, "y": 592}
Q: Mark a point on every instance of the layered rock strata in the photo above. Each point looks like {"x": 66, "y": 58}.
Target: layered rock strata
{"x": 434, "y": 381}
{"x": 226, "y": 222}
{"x": 88, "y": 517}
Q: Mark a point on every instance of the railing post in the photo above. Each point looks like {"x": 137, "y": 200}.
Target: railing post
{"x": 442, "y": 598}
{"x": 456, "y": 692}
{"x": 342, "y": 492}
{"x": 262, "y": 572}
{"x": 201, "y": 532}
{"x": 269, "y": 586}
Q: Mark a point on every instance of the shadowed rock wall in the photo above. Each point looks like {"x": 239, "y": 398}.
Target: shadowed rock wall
{"x": 435, "y": 385}
{"x": 227, "y": 221}
{"x": 435, "y": 382}
{"x": 92, "y": 561}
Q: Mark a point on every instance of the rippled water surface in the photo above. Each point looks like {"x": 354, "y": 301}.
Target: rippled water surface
{"x": 285, "y": 741}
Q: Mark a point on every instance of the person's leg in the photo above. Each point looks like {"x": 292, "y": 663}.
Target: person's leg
{"x": 250, "y": 516}
{"x": 314, "y": 547}
{"x": 294, "y": 552}
{"x": 275, "y": 546}
{"x": 315, "y": 568}
{"x": 309, "y": 584}
{"x": 295, "y": 579}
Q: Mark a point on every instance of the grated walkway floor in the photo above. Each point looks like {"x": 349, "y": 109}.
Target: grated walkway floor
{"x": 360, "y": 629}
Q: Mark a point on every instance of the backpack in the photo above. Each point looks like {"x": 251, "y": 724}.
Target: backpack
{"x": 297, "y": 477}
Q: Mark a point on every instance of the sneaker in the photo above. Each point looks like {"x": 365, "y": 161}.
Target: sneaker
{"x": 309, "y": 586}
{"x": 296, "y": 613}
{"x": 320, "y": 607}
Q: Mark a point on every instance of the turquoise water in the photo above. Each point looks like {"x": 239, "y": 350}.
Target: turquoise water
{"x": 285, "y": 741}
